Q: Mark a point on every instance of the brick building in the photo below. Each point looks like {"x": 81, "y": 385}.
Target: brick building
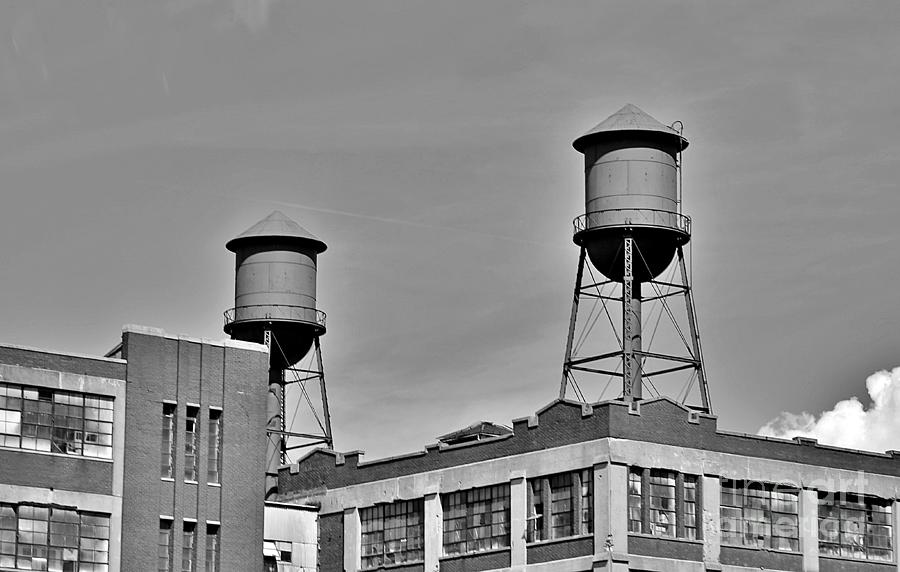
{"x": 147, "y": 459}
{"x": 651, "y": 486}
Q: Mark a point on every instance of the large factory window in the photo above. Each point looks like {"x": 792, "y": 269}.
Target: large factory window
{"x": 476, "y": 519}
{"x": 759, "y": 515}
{"x": 560, "y": 505}
{"x": 54, "y": 421}
{"x": 855, "y": 526}
{"x": 662, "y": 503}
{"x": 392, "y": 533}
{"x": 34, "y": 537}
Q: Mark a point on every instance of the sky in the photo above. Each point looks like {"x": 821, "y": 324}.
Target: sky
{"x": 429, "y": 145}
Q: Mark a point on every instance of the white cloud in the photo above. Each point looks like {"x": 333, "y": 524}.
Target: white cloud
{"x": 850, "y": 424}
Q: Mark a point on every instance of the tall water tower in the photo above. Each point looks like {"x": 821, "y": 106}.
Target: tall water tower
{"x": 631, "y": 232}
{"x": 275, "y": 304}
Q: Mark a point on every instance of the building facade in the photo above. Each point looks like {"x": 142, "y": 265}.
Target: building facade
{"x": 147, "y": 459}
{"x": 650, "y": 486}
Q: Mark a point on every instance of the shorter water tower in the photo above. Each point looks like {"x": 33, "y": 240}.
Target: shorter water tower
{"x": 275, "y": 304}
{"x": 632, "y": 231}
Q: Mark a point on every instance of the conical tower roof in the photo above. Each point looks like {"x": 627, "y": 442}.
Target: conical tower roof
{"x": 276, "y": 226}
{"x": 629, "y": 118}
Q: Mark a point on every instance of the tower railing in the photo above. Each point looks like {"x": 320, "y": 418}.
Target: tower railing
{"x": 279, "y": 312}
{"x": 609, "y": 218}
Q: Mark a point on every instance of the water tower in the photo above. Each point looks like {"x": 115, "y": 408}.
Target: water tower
{"x": 275, "y": 304}
{"x": 632, "y": 231}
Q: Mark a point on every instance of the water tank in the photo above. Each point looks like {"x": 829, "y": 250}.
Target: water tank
{"x": 631, "y": 189}
{"x": 275, "y": 288}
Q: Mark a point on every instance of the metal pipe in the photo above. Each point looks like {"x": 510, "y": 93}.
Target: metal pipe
{"x": 631, "y": 326}
{"x": 274, "y": 429}
{"x": 636, "y": 342}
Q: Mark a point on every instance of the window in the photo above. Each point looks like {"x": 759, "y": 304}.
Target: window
{"x": 189, "y": 546}
{"x": 662, "y": 503}
{"x": 212, "y": 547}
{"x": 560, "y": 505}
{"x": 34, "y": 537}
{"x": 392, "y": 533}
{"x": 759, "y": 515}
{"x": 214, "y": 453}
{"x": 49, "y": 420}
{"x": 477, "y": 519}
{"x": 855, "y": 526}
{"x": 63, "y": 540}
{"x": 190, "y": 445}
{"x": 164, "y": 547}
{"x": 167, "y": 448}
{"x": 94, "y": 543}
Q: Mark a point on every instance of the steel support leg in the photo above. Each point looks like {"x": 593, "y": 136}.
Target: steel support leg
{"x": 326, "y": 412}
{"x": 695, "y": 334}
{"x": 564, "y": 382}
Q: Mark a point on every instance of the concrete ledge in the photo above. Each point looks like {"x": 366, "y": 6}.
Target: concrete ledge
{"x": 225, "y": 342}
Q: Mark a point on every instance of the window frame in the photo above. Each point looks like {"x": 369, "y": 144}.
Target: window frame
{"x": 189, "y": 546}
{"x": 407, "y": 516}
{"x": 761, "y": 507}
{"x": 165, "y": 546}
{"x": 211, "y": 559}
{"x": 844, "y": 504}
{"x": 552, "y": 514}
{"x": 462, "y": 507}
{"x": 57, "y": 421}
{"x": 51, "y": 536}
{"x": 657, "y": 508}
{"x": 167, "y": 442}
{"x": 214, "y": 447}
{"x": 191, "y": 443}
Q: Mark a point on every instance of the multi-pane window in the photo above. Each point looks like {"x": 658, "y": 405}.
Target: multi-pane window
{"x": 36, "y": 537}
{"x": 560, "y": 505}
{"x": 392, "y": 533}
{"x": 167, "y": 447}
{"x": 663, "y": 503}
{"x": 63, "y": 540}
{"x": 635, "y": 503}
{"x": 190, "y": 444}
{"x": 94, "y": 553}
{"x": 214, "y": 451}
{"x": 189, "y": 546}
{"x": 690, "y": 506}
{"x": 855, "y": 526}
{"x": 212, "y": 548}
{"x": 50, "y": 420}
{"x": 476, "y": 519}
{"x": 759, "y": 515}
{"x": 164, "y": 547}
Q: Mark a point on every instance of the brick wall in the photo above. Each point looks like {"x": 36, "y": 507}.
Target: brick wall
{"x": 331, "y": 542}
{"x": 476, "y": 562}
{"x": 79, "y": 474}
{"x": 98, "y": 367}
{"x": 562, "y": 423}
{"x": 188, "y": 372}
{"x": 560, "y": 549}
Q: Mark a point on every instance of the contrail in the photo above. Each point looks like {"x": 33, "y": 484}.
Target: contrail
{"x": 396, "y": 221}
{"x": 386, "y": 220}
